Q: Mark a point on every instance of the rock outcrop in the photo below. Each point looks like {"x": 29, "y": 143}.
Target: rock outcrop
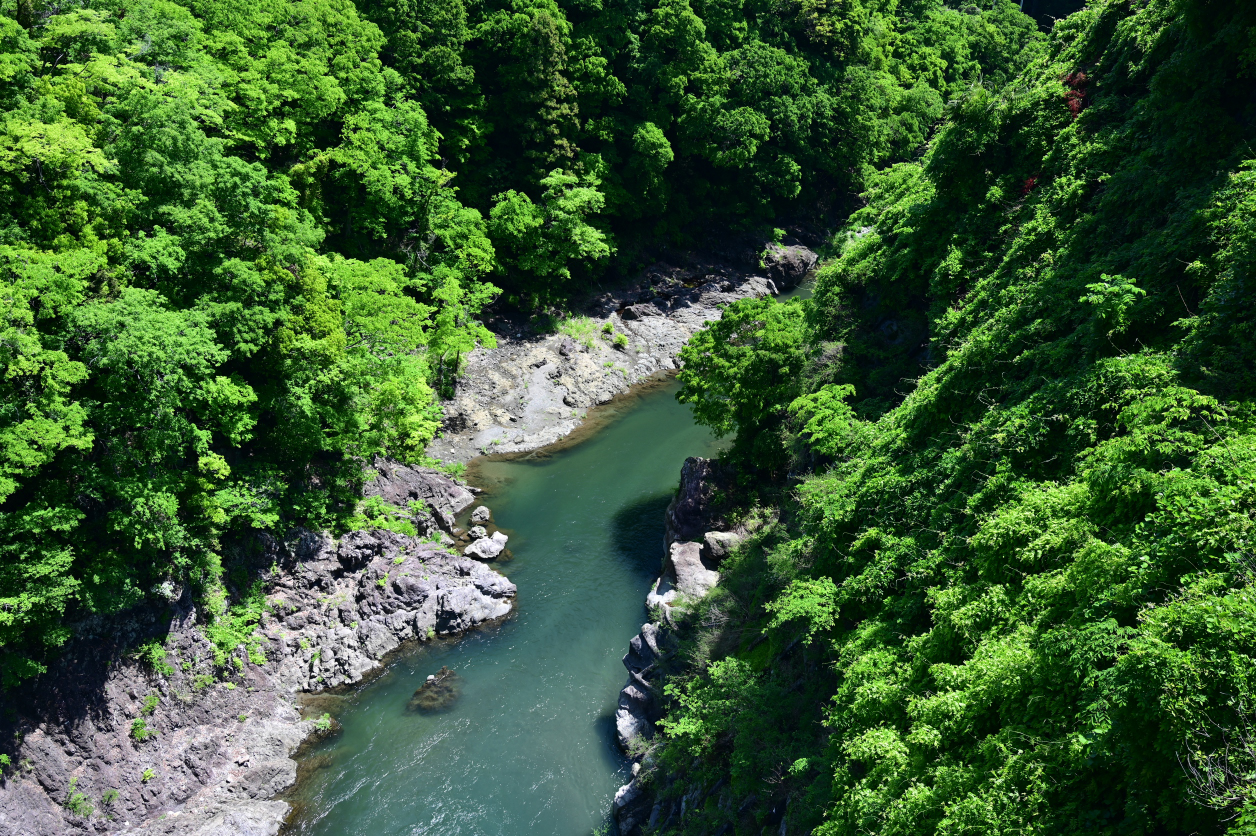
{"x": 686, "y": 576}
{"x": 786, "y": 265}
{"x": 439, "y": 498}
{"x": 533, "y": 390}
{"x": 695, "y": 509}
{"x": 487, "y": 548}
{"x": 697, "y": 539}
{"x": 105, "y": 742}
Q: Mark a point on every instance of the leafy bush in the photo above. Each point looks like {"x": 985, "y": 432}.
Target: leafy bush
{"x": 140, "y": 730}
{"x": 374, "y": 512}
{"x": 235, "y": 625}
{"x": 153, "y": 652}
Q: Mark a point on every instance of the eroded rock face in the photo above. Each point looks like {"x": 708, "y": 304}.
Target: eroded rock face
{"x": 697, "y": 539}
{"x": 637, "y": 709}
{"x": 223, "y": 740}
{"x": 694, "y": 510}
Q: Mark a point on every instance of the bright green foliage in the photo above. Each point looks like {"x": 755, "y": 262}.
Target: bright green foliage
{"x": 140, "y": 730}
{"x": 231, "y": 263}
{"x": 153, "y": 653}
{"x": 682, "y": 116}
{"x": 374, "y": 512}
{"x": 1023, "y": 562}
{"x": 538, "y": 242}
{"x": 232, "y": 626}
{"x": 76, "y": 802}
{"x": 740, "y": 372}
{"x": 812, "y": 602}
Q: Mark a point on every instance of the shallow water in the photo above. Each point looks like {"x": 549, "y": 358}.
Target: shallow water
{"x": 528, "y": 746}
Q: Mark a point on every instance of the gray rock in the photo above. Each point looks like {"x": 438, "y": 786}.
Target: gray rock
{"x": 639, "y": 311}
{"x": 631, "y": 808}
{"x": 339, "y": 608}
{"x": 487, "y": 548}
{"x": 481, "y": 514}
{"x": 399, "y": 485}
{"x": 716, "y": 545}
{"x": 691, "y": 577}
{"x": 477, "y": 532}
{"x": 693, "y": 510}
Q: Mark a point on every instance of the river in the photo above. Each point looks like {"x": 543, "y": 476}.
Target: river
{"x": 528, "y": 746}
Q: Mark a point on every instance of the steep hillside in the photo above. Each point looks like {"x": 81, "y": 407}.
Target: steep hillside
{"x": 1012, "y": 442}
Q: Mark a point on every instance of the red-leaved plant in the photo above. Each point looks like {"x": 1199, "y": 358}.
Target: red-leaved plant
{"x": 1075, "y": 98}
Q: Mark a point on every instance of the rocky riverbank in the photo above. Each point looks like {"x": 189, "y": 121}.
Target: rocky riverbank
{"x": 184, "y": 739}
{"x": 534, "y": 389}
{"x": 697, "y": 539}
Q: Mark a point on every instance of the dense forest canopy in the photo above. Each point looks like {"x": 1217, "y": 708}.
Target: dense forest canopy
{"x": 245, "y": 244}
{"x": 1010, "y": 586}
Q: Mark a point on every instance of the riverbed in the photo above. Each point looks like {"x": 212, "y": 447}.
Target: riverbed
{"x": 527, "y": 746}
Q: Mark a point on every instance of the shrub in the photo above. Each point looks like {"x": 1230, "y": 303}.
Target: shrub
{"x": 582, "y": 329}
{"x": 76, "y": 802}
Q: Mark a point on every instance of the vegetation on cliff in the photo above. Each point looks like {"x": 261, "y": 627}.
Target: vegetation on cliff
{"x": 1014, "y": 591}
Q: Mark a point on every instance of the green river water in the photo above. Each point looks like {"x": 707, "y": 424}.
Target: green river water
{"x": 528, "y": 747}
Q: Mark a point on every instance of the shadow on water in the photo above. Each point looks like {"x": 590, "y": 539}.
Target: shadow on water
{"x": 637, "y": 533}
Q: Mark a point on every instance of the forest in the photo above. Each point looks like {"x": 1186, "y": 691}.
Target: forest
{"x": 245, "y": 245}
{"x": 1002, "y": 466}
{"x": 1003, "y": 463}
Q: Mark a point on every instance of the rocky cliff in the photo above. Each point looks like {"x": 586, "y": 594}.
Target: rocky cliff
{"x": 179, "y": 742}
{"x": 696, "y": 540}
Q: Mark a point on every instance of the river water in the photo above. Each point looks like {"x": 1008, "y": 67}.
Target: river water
{"x": 528, "y": 746}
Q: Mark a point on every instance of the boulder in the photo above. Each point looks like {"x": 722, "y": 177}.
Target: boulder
{"x": 478, "y": 532}
{"x": 683, "y": 575}
{"x": 480, "y": 515}
{"x": 643, "y": 650}
{"x": 462, "y": 607}
{"x": 487, "y": 548}
{"x": 787, "y": 266}
{"x": 692, "y": 578}
{"x": 639, "y": 311}
{"x": 716, "y": 545}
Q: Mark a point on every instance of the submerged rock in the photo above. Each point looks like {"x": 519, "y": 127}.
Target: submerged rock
{"x": 438, "y": 693}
